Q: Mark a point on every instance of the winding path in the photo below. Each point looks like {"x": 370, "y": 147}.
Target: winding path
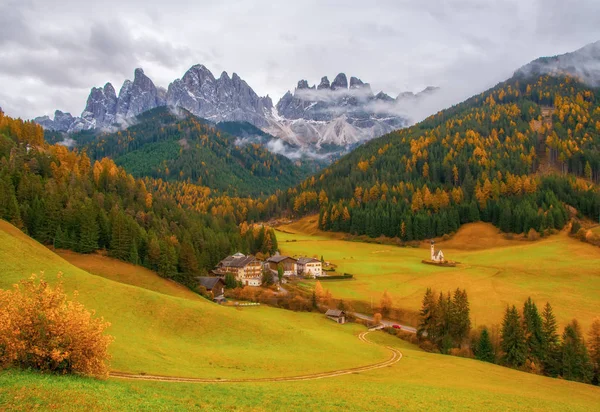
{"x": 396, "y": 356}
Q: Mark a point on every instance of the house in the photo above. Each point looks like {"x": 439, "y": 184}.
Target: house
{"x": 246, "y": 269}
{"x": 212, "y": 284}
{"x": 339, "y": 316}
{"x": 436, "y": 256}
{"x": 287, "y": 263}
{"x": 310, "y": 267}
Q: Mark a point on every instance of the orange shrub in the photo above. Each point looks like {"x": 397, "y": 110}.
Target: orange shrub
{"x": 41, "y": 329}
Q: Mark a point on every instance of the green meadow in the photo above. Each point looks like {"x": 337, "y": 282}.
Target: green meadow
{"x": 162, "y": 329}
{"x": 495, "y": 272}
{"x": 157, "y": 333}
{"x": 420, "y": 381}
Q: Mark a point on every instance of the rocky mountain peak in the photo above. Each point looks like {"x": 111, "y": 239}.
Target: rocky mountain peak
{"x": 340, "y": 82}
{"x": 356, "y": 83}
{"x": 324, "y": 83}
{"x": 303, "y": 84}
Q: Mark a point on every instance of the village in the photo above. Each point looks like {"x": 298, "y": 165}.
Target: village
{"x": 247, "y": 270}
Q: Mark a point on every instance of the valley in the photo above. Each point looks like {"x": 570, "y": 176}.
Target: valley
{"x": 200, "y": 247}
{"x": 221, "y": 343}
{"x": 496, "y": 272}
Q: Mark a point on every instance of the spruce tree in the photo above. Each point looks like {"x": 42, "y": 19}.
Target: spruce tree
{"x": 427, "y": 316}
{"x": 88, "y": 229}
{"x": 460, "y": 320}
{"x": 485, "y": 349}
{"x": 513, "y": 339}
{"x": 551, "y": 357}
{"x": 121, "y": 239}
{"x": 576, "y": 364}
{"x": 532, "y": 327}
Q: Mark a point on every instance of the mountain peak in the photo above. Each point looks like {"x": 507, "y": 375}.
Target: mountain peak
{"x": 324, "y": 83}
{"x": 340, "y": 82}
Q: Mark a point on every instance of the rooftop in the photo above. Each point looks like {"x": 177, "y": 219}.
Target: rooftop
{"x": 278, "y": 258}
{"x": 208, "y": 282}
{"x": 335, "y": 313}
{"x": 305, "y": 260}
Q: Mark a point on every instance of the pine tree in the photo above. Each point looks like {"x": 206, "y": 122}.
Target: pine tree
{"x": 88, "y": 229}
{"x": 551, "y": 357}
{"x": 188, "y": 263}
{"x": 485, "y": 349}
{"x": 459, "y": 317}
{"x": 167, "y": 266}
{"x": 133, "y": 254}
{"x": 153, "y": 253}
{"x": 427, "y": 316}
{"x": 513, "y": 340}
{"x": 575, "y": 361}
{"x": 534, "y": 335}
{"x": 120, "y": 242}
{"x": 594, "y": 349}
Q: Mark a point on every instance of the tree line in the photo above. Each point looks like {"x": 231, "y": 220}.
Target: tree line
{"x": 528, "y": 340}
{"x": 60, "y": 198}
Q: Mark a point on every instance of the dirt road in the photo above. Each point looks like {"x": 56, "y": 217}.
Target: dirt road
{"x": 396, "y": 356}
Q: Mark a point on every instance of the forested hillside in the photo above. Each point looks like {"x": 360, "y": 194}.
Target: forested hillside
{"x": 62, "y": 198}
{"x": 513, "y": 156}
{"x": 181, "y": 147}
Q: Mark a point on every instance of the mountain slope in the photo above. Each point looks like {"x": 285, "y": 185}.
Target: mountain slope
{"x": 178, "y": 146}
{"x": 478, "y": 160}
{"x": 161, "y": 334}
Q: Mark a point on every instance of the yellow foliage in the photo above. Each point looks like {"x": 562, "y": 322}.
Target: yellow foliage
{"x": 41, "y": 329}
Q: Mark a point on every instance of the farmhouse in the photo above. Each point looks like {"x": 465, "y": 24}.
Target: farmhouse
{"x": 287, "y": 263}
{"x": 339, "y": 316}
{"x": 212, "y": 284}
{"x": 436, "y": 256}
{"x": 310, "y": 267}
{"x": 246, "y": 269}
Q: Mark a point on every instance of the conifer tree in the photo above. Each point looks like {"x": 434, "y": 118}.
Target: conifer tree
{"x": 460, "y": 320}
{"x": 88, "y": 229}
{"x": 594, "y": 349}
{"x": 485, "y": 349}
{"x": 427, "y": 316}
{"x": 513, "y": 340}
{"x": 532, "y": 327}
{"x": 120, "y": 242}
{"x": 575, "y": 361}
{"x": 551, "y": 349}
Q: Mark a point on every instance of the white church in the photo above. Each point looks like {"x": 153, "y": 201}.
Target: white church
{"x": 438, "y": 256}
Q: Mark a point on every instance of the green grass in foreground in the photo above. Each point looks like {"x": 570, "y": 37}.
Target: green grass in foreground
{"x": 559, "y": 269}
{"x": 420, "y": 381}
{"x": 160, "y": 334}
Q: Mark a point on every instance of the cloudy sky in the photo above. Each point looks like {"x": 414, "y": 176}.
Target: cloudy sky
{"x": 52, "y": 52}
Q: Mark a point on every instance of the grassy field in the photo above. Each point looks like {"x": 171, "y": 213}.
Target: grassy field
{"x": 127, "y": 273}
{"x": 421, "y": 381}
{"x": 180, "y": 335}
{"x": 158, "y": 333}
{"x": 494, "y": 271}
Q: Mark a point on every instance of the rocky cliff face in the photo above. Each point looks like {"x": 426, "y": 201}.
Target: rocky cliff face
{"x": 340, "y": 113}
{"x": 223, "y": 99}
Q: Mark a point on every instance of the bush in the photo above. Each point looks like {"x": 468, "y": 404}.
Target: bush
{"x": 533, "y": 234}
{"x": 40, "y": 329}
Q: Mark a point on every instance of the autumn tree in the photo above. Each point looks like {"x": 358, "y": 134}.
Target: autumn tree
{"x": 41, "y": 329}
{"x": 377, "y": 319}
{"x": 386, "y": 304}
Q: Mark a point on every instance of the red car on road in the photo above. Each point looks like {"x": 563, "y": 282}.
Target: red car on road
{"x": 396, "y": 326}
